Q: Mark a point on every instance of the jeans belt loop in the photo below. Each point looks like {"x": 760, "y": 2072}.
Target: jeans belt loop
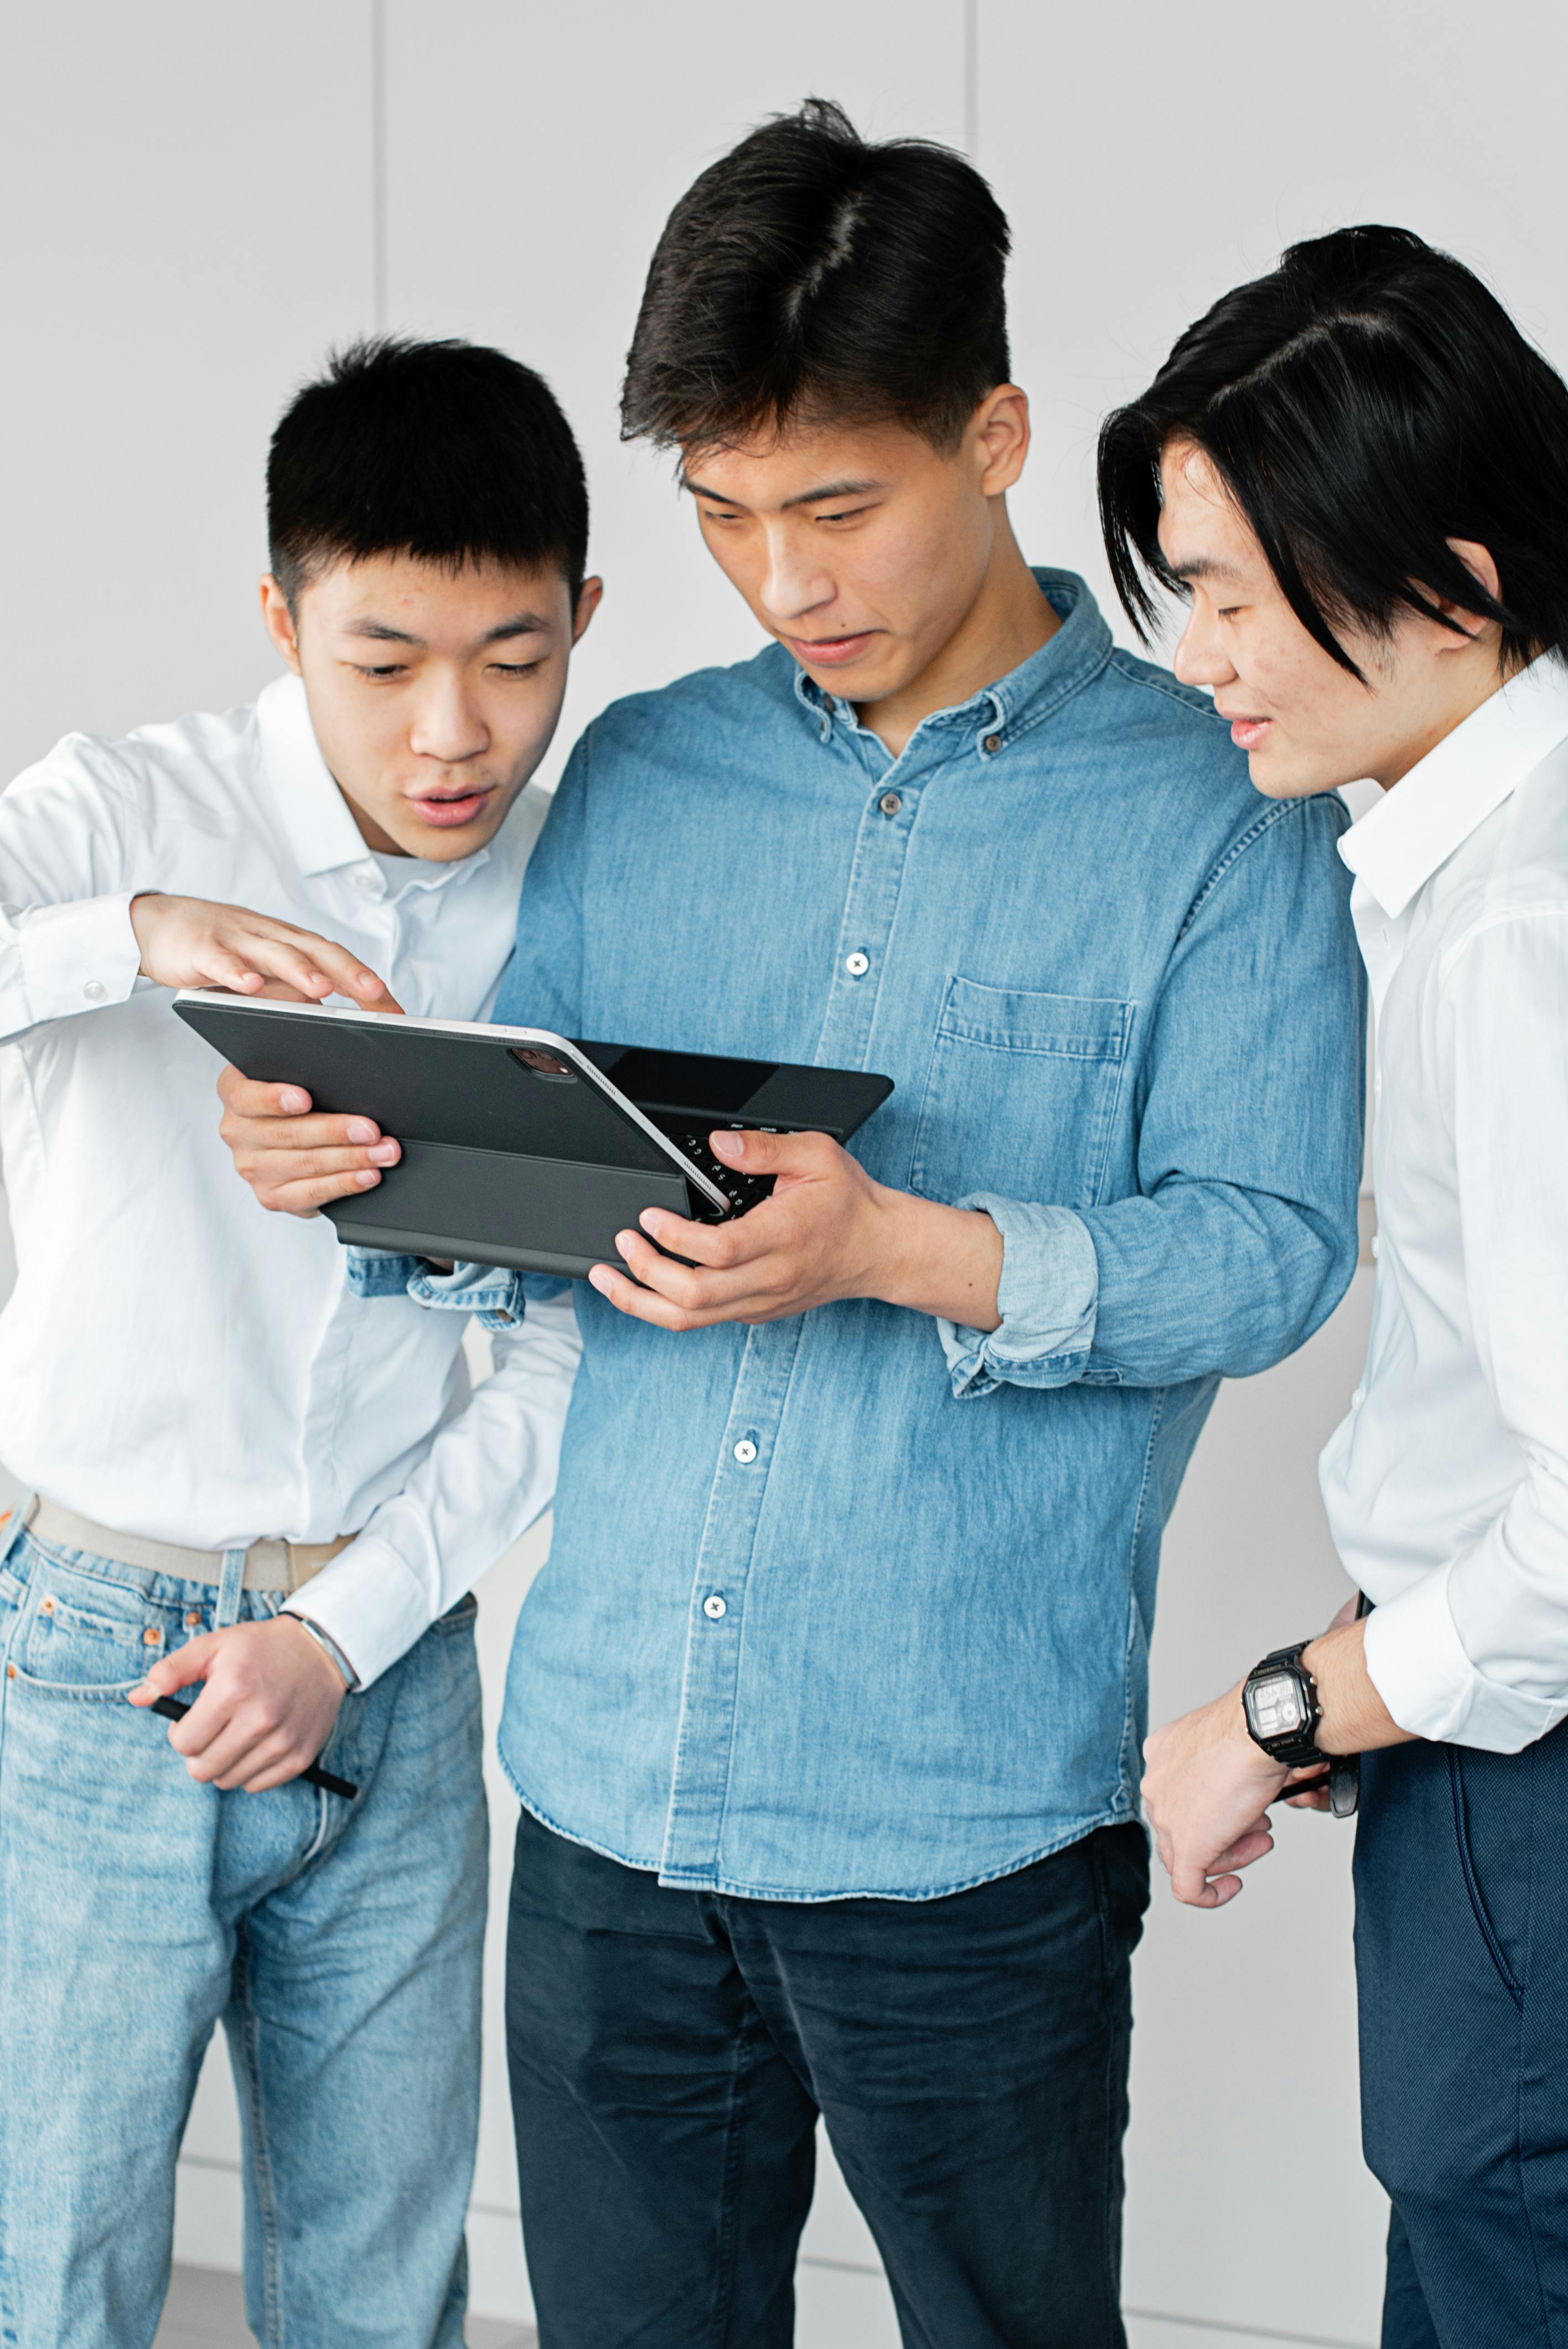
{"x": 230, "y": 1585}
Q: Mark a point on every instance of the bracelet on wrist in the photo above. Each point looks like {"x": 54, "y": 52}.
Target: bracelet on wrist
{"x": 329, "y": 1646}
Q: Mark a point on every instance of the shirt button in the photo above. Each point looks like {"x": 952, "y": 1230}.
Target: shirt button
{"x": 367, "y": 884}
{"x": 746, "y": 1451}
{"x": 857, "y": 964}
{"x": 992, "y": 743}
{"x": 890, "y": 803}
{"x": 95, "y": 990}
{"x": 1376, "y": 1246}
{"x": 713, "y": 1607}
{"x": 1358, "y": 1398}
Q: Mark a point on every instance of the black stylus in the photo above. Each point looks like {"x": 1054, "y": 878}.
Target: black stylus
{"x": 323, "y": 1778}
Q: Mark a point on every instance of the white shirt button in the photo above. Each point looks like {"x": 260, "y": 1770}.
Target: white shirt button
{"x": 713, "y": 1607}
{"x": 367, "y": 884}
{"x": 95, "y": 990}
{"x": 857, "y": 964}
{"x": 1358, "y": 1398}
{"x": 746, "y": 1451}
{"x": 1376, "y": 1246}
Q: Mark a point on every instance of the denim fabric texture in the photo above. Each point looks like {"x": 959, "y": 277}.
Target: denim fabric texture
{"x": 338, "y": 1943}
{"x": 1462, "y": 1965}
{"x": 670, "y": 2053}
{"x": 855, "y": 1602}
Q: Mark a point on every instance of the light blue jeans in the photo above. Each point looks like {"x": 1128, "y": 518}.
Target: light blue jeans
{"x": 340, "y": 1944}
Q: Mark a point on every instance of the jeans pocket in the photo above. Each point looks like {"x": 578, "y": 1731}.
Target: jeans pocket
{"x": 459, "y": 1618}
{"x": 1483, "y": 1919}
{"x": 85, "y": 1634}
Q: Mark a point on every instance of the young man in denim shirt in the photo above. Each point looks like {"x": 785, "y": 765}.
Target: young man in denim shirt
{"x": 826, "y": 1711}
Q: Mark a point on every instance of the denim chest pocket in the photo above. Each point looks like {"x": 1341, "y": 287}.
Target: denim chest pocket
{"x": 86, "y": 1635}
{"x": 1021, "y": 1094}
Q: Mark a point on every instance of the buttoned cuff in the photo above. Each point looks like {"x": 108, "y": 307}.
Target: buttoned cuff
{"x": 1418, "y": 1665}
{"x": 1048, "y": 1297}
{"x": 369, "y": 1602}
{"x": 78, "y": 958}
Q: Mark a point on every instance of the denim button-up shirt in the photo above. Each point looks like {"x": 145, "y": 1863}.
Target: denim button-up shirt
{"x": 858, "y": 1602}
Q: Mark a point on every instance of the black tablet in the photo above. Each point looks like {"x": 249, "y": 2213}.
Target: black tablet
{"x": 522, "y": 1147}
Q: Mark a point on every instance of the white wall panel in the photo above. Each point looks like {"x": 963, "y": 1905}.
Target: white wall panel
{"x": 185, "y": 222}
{"x": 1152, "y": 157}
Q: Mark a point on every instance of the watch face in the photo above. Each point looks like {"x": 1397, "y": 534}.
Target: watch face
{"x": 1278, "y": 1704}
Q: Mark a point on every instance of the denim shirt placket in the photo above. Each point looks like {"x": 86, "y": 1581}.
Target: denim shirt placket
{"x": 710, "y": 1683}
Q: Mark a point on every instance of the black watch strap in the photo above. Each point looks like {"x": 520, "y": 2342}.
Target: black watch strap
{"x": 1283, "y": 1710}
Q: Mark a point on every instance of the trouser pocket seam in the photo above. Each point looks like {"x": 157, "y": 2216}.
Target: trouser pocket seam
{"x": 1514, "y": 1988}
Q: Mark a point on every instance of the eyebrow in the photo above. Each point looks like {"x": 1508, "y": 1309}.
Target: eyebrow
{"x": 1204, "y": 566}
{"x": 520, "y": 623}
{"x": 805, "y": 498}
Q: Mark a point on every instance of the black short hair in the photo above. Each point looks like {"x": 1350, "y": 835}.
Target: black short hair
{"x": 445, "y": 451}
{"x": 1364, "y": 404}
{"x": 811, "y": 275}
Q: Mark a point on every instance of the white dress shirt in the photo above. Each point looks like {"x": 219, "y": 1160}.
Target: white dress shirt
{"x": 1446, "y": 1486}
{"x": 174, "y": 1360}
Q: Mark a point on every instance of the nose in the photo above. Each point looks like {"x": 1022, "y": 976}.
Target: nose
{"x": 793, "y": 581}
{"x": 1199, "y": 659}
{"x": 447, "y": 722}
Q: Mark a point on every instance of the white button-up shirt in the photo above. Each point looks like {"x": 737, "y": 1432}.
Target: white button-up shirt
{"x": 175, "y": 1361}
{"x": 1446, "y": 1486}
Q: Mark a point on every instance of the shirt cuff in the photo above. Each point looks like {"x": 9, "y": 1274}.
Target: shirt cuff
{"x": 1048, "y": 1297}
{"x": 488, "y": 1289}
{"x": 78, "y": 958}
{"x": 1418, "y": 1665}
{"x": 369, "y": 1603}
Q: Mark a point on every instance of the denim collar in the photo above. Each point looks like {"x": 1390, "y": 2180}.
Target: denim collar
{"x": 1028, "y": 694}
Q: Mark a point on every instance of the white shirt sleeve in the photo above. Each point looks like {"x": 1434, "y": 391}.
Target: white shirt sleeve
{"x": 1477, "y": 1653}
{"x": 489, "y": 1474}
{"x": 66, "y": 940}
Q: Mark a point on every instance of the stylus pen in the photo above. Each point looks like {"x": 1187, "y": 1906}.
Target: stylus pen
{"x": 323, "y": 1778}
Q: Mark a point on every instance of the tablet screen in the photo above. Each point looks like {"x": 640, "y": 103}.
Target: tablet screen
{"x": 689, "y": 1081}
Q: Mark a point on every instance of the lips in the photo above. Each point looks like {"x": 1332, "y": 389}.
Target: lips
{"x": 829, "y": 652}
{"x": 1246, "y": 733}
{"x": 449, "y": 811}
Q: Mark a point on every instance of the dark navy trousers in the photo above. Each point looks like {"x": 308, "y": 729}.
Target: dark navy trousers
{"x": 671, "y": 2051}
{"x": 1461, "y": 1958}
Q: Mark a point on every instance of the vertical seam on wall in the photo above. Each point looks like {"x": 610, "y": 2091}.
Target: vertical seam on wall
{"x": 379, "y": 272}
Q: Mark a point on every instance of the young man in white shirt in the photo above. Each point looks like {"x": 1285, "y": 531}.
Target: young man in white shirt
{"x": 1357, "y": 469}
{"x": 240, "y": 1474}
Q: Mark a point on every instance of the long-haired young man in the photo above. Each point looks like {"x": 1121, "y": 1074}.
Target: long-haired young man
{"x": 1357, "y": 469}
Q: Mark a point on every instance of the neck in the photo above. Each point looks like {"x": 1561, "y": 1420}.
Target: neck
{"x": 1009, "y": 620}
{"x": 1474, "y": 684}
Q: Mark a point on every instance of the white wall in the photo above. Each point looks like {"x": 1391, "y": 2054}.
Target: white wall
{"x": 194, "y": 201}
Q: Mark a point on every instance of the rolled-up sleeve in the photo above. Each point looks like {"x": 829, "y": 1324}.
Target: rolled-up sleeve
{"x": 1047, "y": 1298}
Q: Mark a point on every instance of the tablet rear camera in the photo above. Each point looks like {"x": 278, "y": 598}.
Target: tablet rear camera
{"x": 546, "y": 1066}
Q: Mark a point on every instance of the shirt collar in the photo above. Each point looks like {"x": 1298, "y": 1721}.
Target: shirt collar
{"x": 1076, "y": 653}
{"x": 317, "y": 818}
{"x": 1397, "y": 846}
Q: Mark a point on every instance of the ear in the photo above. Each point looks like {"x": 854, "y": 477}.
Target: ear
{"x": 279, "y": 621}
{"x": 999, "y": 430}
{"x": 1477, "y": 562}
{"x": 590, "y": 595}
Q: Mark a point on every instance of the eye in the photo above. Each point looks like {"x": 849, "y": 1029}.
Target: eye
{"x": 515, "y": 668}
{"x": 849, "y": 513}
{"x": 720, "y": 513}
{"x": 1229, "y": 612}
{"x": 381, "y": 672}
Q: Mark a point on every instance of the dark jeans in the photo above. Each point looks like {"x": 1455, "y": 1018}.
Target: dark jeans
{"x": 1462, "y": 1957}
{"x": 670, "y": 2051}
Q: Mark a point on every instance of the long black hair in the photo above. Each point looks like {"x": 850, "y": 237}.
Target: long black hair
{"x": 1364, "y": 404}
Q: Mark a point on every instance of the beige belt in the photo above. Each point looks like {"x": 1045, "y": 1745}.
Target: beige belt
{"x": 269, "y": 1564}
